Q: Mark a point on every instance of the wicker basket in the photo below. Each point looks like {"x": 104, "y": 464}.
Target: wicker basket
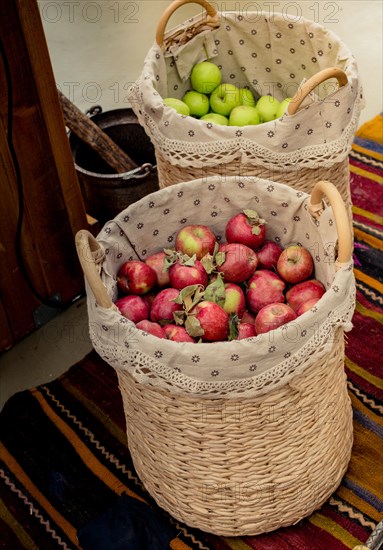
{"x": 311, "y": 142}
{"x": 252, "y": 452}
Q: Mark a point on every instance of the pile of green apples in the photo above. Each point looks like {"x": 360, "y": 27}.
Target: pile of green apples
{"x": 222, "y": 103}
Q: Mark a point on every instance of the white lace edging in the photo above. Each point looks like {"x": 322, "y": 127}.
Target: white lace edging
{"x": 185, "y": 153}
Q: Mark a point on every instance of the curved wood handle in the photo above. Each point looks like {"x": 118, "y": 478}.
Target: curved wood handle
{"x": 87, "y": 245}
{"x": 312, "y": 83}
{"x": 342, "y": 220}
{"x": 211, "y": 11}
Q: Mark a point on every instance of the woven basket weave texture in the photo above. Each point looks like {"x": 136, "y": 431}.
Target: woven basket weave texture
{"x": 236, "y": 437}
{"x": 244, "y": 466}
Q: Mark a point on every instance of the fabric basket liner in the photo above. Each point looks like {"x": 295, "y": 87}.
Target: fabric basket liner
{"x": 270, "y": 54}
{"x": 248, "y": 367}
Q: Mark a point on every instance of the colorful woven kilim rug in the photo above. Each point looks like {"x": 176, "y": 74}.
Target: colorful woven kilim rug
{"x": 64, "y": 458}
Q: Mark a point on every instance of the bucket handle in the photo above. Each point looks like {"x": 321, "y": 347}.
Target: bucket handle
{"x": 89, "y": 250}
{"x": 211, "y": 12}
{"x": 308, "y": 86}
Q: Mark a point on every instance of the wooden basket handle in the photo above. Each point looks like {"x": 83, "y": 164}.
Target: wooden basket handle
{"x": 87, "y": 249}
{"x": 342, "y": 220}
{"x": 308, "y": 86}
{"x": 211, "y": 11}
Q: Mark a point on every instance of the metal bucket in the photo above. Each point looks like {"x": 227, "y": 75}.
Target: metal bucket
{"x": 106, "y": 193}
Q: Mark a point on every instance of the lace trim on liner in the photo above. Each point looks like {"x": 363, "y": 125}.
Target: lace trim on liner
{"x": 199, "y": 154}
{"x": 151, "y": 372}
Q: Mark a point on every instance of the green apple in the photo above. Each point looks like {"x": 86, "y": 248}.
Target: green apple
{"x": 244, "y": 115}
{"x": 283, "y": 106}
{"x": 177, "y": 105}
{"x": 224, "y": 98}
{"x": 267, "y": 106}
{"x": 198, "y": 103}
{"x": 247, "y": 97}
{"x": 205, "y": 77}
{"x": 215, "y": 118}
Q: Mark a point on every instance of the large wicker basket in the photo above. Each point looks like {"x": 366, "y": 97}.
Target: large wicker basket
{"x": 266, "y": 53}
{"x": 241, "y": 437}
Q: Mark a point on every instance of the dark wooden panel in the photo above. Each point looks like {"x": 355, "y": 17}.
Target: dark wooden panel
{"x": 53, "y": 204}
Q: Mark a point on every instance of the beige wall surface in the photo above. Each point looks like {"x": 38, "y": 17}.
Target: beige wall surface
{"x": 98, "y": 47}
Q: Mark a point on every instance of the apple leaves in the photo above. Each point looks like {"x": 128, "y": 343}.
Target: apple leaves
{"x": 215, "y": 291}
{"x": 189, "y": 297}
{"x": 254, "y": 220}
{"x": 233, "y": 326}
{"x": 172, "y": 257}
{"x": 193, "y": 326}
{"x": 210, "y": 262}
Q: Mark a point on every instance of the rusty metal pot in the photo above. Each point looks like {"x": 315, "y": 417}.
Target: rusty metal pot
{"x": 106, "y": 193}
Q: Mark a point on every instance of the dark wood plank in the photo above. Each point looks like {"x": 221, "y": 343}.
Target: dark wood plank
{"x": 53, "y": 204}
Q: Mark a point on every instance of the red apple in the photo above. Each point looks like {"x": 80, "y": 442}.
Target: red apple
{"x": 245, "y": 330}
{"x": 185, "y": 275}
{"x": 246, "y": 228}
{"x": 156, "y": 262}
{"x": 248, "y": 317}
{"x": 133, "y": 308}
{"x": 135, "y": 277}
{"x": 295, "y": 264}
{"x": 268, "y": 255}
{"x": 177, "y": 333}
{"x": 273, "y": 316}
{"x": 234, "y": 299}
{"x": 240, "y": 262}
{"x": 264, "y": 287}
{"x": 152, "y": 328}
{"x": 163, "y": 305}
{"x": 213, "y": 320}
{"x": 195, "y": 239}
{"x": 306, "y": 306}
{"x": 303, "y": 292}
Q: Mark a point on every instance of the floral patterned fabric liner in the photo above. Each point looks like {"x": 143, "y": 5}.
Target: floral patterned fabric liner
{"x": 224, "y": 368}
{"x": 270, "y": 55}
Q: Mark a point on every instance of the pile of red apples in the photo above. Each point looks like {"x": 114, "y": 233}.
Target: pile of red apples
{"x": 205, "y": 291}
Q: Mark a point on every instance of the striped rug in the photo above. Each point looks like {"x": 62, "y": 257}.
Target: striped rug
{"x": 63, "y": 453}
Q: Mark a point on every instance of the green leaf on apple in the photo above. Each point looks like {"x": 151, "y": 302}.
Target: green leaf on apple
{"x": 189, "y": 296}
{"x": 170, "y": 258}
{"x": 215, "y": 291}
{"x": 179, "y": 317}
{"x": 208, "y": 263}
{"x": 254, "y": 220}
{"x": 233, "y": 326}
{"x": 220, "y": 258}
{"x": 184, "y": 259}
{"x": 252, "y": 216}
{"x": 193, "y": 326}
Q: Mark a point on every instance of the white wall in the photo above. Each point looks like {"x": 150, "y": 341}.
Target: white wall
{"x": 98, "y": 47}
